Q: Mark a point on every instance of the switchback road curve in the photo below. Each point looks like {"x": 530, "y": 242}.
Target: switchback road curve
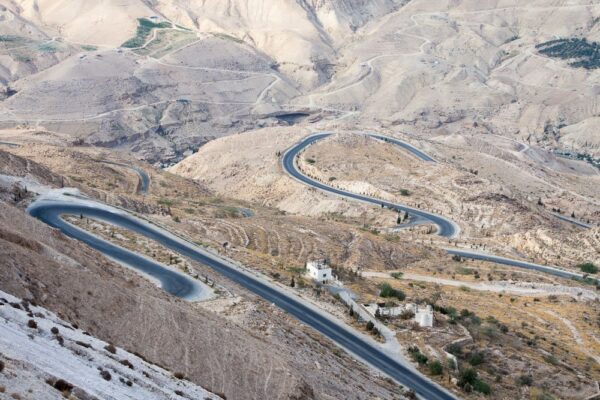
{"x": 445, "y": 227}
{"x": 51, "y": 212}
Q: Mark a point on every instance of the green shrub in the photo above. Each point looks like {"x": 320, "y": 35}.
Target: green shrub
{"x": 481, "y": 387}
{"x": 436, "y": 368}
{"x": 476, "y": 358}
{"x": 467, "y": 376}
{"x": 417, "y": 356}
{"x": 588, "y": 268}
{"x": 454, "y": 349}
{"x": 525, "y": 380}
{"x": 386, "y": 290}
{"x": 551, "y": 359}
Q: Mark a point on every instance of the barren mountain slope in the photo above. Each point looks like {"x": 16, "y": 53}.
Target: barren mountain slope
{"x": 190, "y": 71}
{"x": 158, "y": 109}
{"x": 84, "y": 21}
{"x": 273, "y": 355}
{"x": 302, "y": 36}
{"x": 448, "y": 65}
{"x": 45, "y": 357}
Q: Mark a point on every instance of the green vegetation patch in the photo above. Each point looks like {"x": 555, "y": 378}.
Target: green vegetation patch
{"x": 49, "y": 47}
{"x": 585, "y": 54}
{"x": 166, "y": 41}
{"x": 11, "y": 42}
{"x": 588, "y": 268}
{"x": 144, "y": 29}
{"x": 225, "y": 36}
{"x": 165, "y": 202}
{"x": 386, "y": 290}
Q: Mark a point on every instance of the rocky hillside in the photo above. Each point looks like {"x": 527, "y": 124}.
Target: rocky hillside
{"x": 177, "y": 74}
{"x": 43, "y": 356}
{"x": 272, "y": 352}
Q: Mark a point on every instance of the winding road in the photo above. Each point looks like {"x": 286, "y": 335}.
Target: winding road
{"x": 144, "y": 179}
{"x": 50, "y": 211}
{"x": 446, "y": 227}
{"x": 173, "y": 282}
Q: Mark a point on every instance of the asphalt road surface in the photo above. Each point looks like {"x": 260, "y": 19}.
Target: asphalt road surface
{"x": 50, "y": 212}
{"x": 177, "y": 284}
{"x": 446, "y": 228}
{"x": 144, "y": 179}
{"x": 572, "y": 220}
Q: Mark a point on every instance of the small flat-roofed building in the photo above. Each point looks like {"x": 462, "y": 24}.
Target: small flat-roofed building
{"x": 319, "y": 270}
{"x": 424, "y": 316}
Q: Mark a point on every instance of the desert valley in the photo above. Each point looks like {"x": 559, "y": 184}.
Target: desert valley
{"x": 333, "y": 199}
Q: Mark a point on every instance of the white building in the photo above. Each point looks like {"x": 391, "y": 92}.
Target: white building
{"x": 319, "y": 271}
{"x": 424, "y": 316}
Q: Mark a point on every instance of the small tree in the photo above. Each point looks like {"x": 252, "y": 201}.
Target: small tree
{"x": 377, "y": 313}
{"x": 293, "y": 282}
{"x": 370, "y": 325}
{"x": 476, "y": 358}
{"x": 351, "y": 312}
